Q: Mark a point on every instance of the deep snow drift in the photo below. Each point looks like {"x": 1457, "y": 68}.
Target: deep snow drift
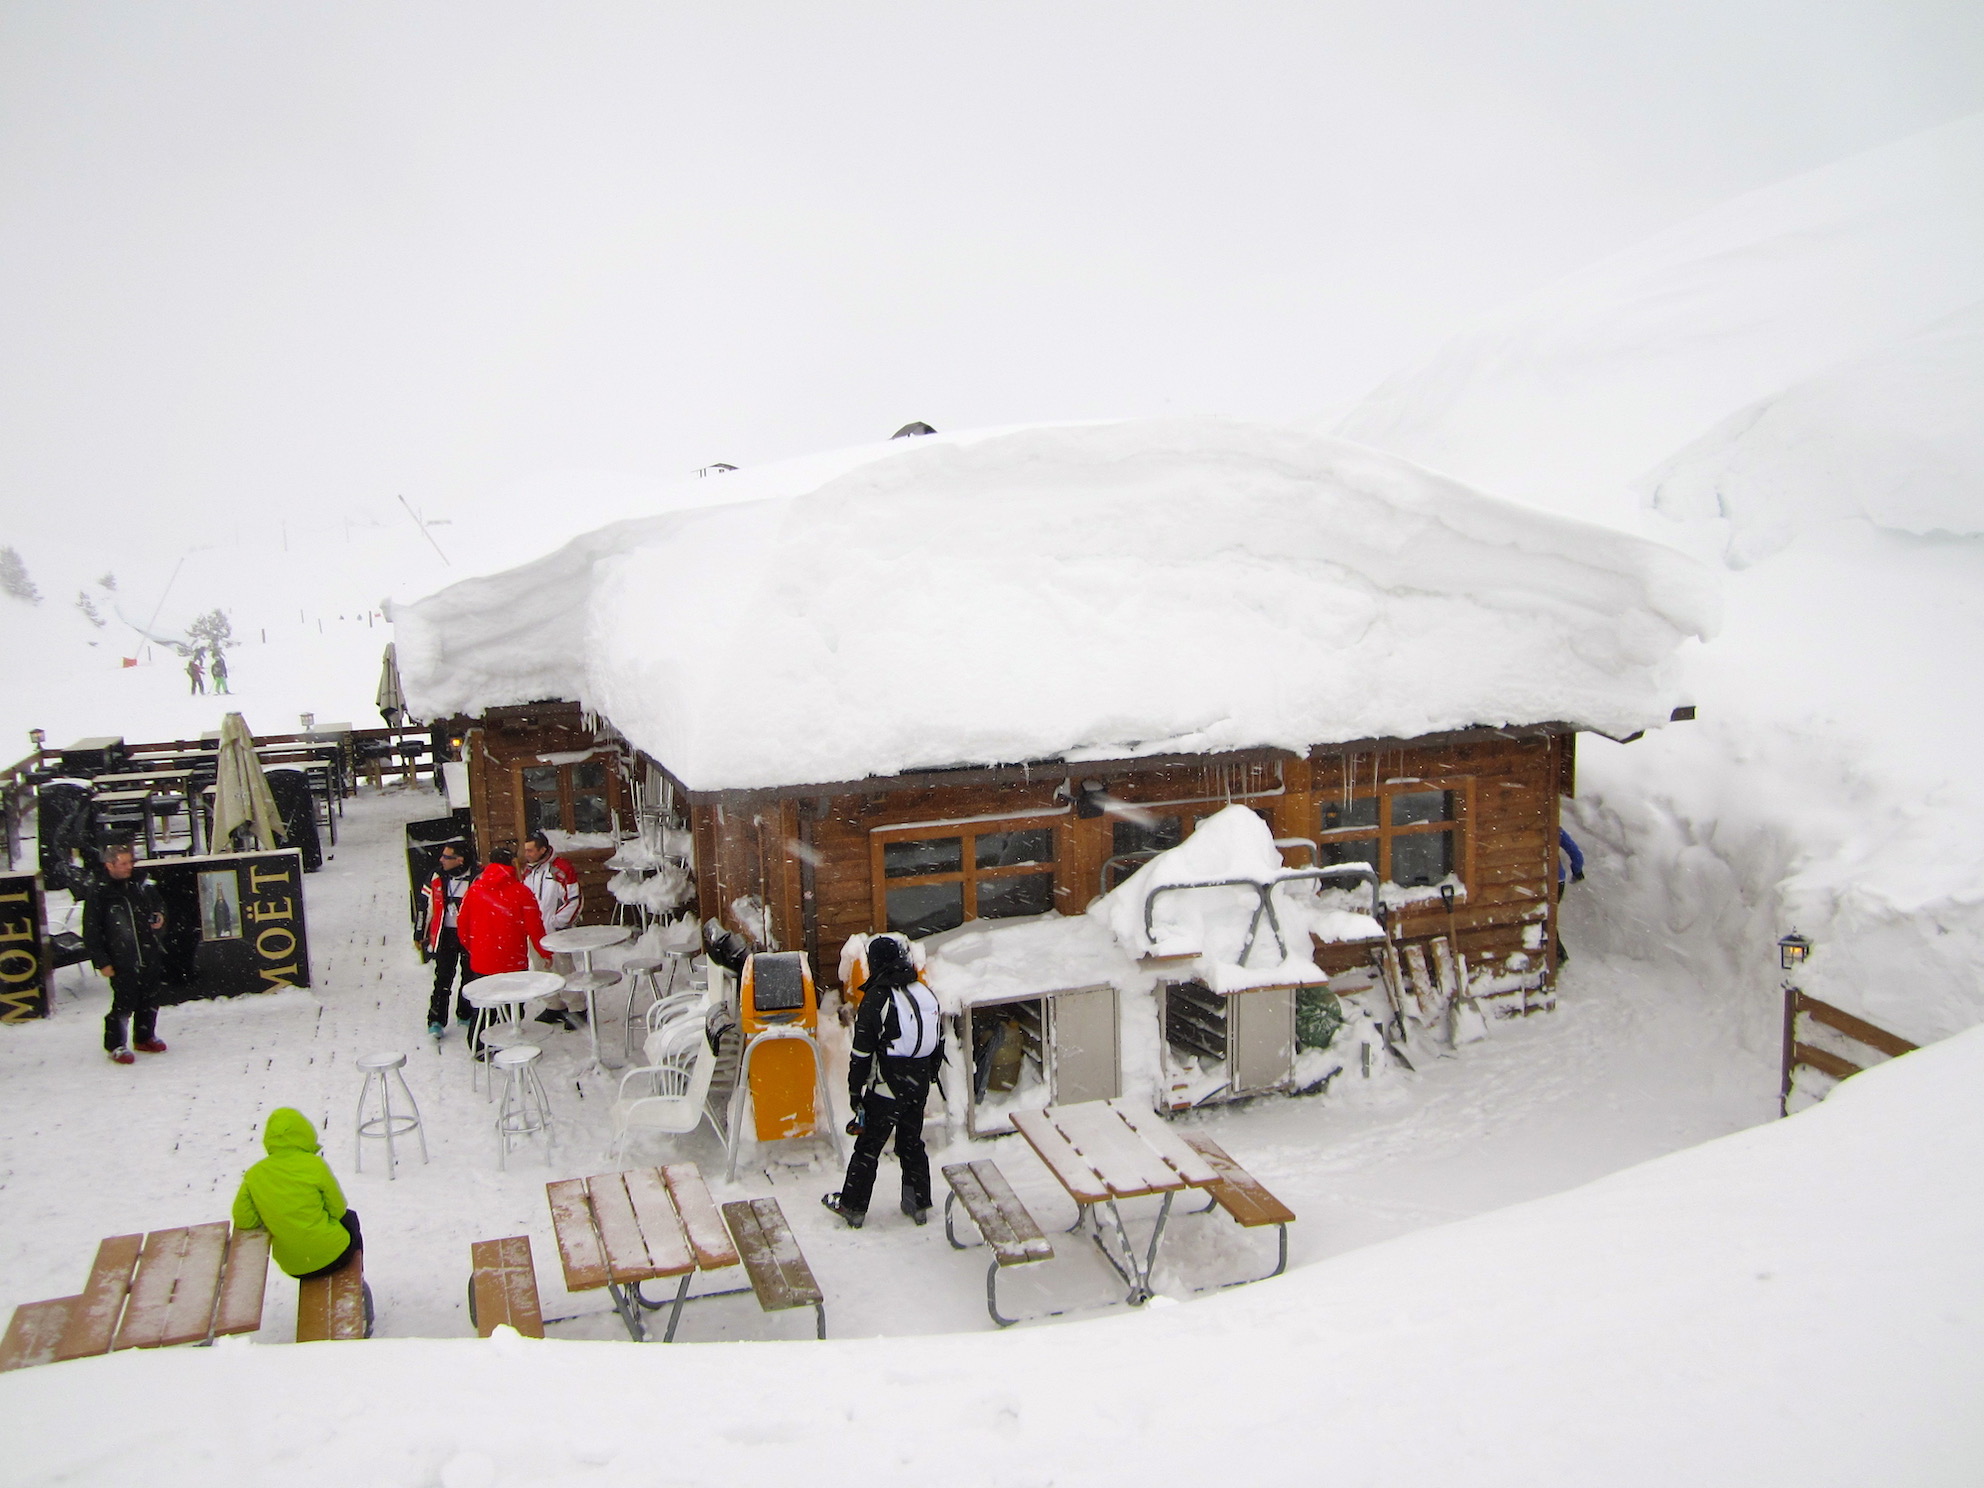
{"x": 1096, "y": 591}
{"x": 1797, "y": 1303}
{"x": 1791, "y": 385}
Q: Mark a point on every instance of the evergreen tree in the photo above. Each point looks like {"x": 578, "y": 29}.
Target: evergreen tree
{"x": 14, "y": 578}
{"x": 212, "y": 630}
{"x": 109, "y": 582}
{"x": 88, "y": 607}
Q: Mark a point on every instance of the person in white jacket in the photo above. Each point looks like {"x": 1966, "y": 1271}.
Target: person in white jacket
{"x": 556, "y": 884}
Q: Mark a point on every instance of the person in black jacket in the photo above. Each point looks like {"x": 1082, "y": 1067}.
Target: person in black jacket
{"x": 122, "y": 918}
{"x": 897, "y": 1046}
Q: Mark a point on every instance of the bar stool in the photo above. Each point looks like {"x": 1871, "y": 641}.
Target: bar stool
{"x": 640, "y": 973}
{"x": 526, "y": 1109}
{"x": 382, "y": 1073}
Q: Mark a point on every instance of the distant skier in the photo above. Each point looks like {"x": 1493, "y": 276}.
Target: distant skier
{"x": 220, "y": 670}
{"x": 196, "y": 674}
{"x": 1567, "y": 849}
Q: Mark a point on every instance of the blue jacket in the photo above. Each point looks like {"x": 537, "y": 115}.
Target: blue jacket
{"x": 1566, "y": 845}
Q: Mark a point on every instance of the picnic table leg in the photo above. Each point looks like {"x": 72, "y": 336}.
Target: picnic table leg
{"x": 1150, "y": 1256}
{"x": 992, "y": 1296}
{"x": 629, "y": 1309}
{"x": 675, "y": 1312}
{"x": 1125, "y": 1268}
{"x": 950, "y": 1203}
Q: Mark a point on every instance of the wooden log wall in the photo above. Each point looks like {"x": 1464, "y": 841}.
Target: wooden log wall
{"x": 811, "y": 860}
{"x": 496, "y": 752}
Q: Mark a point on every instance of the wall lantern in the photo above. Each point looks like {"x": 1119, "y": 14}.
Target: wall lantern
{"x": 309, "y": 720}
{"x": 1792, "y": 950}
{"x": 37, "y": 737}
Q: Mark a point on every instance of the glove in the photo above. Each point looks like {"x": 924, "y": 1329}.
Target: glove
{"x": 854, "y": 1126}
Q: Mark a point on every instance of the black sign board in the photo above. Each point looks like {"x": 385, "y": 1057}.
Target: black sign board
{"x": 234, "y": 923}
{"x": 24, "y": 964}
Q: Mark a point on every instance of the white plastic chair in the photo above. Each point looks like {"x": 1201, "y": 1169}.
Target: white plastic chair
{"x": 680, "y": 1079}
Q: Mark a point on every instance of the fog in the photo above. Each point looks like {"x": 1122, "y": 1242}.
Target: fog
{"x": 261, "y": 261}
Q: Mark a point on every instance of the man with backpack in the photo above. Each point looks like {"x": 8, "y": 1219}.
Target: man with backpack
{"x": 898, "y": 1044}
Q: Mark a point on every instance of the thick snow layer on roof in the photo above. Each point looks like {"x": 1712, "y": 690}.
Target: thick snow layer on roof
{"x": 1081, "y": 592}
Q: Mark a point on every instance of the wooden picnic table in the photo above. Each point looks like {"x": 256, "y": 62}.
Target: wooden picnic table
{"x": 617, "y": 1230}
{"x": 1103, "y": 1151}
{"x": 189, "y": 1285}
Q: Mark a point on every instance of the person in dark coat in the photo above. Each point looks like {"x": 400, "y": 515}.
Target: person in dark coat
{"x": 123, "y": 916}
{"x": 898, "y": 1043}
{"x": 444, "y": 946}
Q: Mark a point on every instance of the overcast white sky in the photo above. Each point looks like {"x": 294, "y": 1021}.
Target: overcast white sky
{"x": 304, "y": 258}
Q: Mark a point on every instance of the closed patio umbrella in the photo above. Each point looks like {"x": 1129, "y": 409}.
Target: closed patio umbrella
{"x": 392, "y": 702}
{"x": 241, "y": 795}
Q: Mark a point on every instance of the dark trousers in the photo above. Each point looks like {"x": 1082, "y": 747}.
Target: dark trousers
{"x": 450, "y": 961}
{"x": 349, "y": 1219}
{"x": 133, "y": 997}
{"x": 893, "y": 1104}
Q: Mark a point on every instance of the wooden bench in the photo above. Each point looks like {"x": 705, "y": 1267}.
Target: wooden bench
{"x": 779, "y": 1273}
{"x": 1014, "y": 1236}
{"x": 502, "y": 1287}
{"x": 34, "y": 1332}
{"x": 188, "y": 1285}
{"x": 1241, "y": 1195}
{"x": 332, "y": 1307}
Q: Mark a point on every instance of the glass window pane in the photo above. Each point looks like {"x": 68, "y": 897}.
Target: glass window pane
{"x": 541, "y": 780}
{"x": 541, "y": 814}
{"x": 590, "y": 776}
{"x": 1422, "y": 858}
{"x": 924, "y": 909}
{"x": 923, "y": 855}
{"x": 1422, "y": 806}
{"x": 1023, "y": 894}
{"x": 1352, "y": 850}
{"x": 1340, "y": 814}
{"x": 1155, "y": 835}
{"x": 589, "y": 814}
{"x": 1009, "y": 849}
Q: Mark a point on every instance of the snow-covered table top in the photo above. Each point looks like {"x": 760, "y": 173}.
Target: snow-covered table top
{"x": 584, "y": 939}
{"x": 505, "y": 987}
{"x": 1103, "y": 1150}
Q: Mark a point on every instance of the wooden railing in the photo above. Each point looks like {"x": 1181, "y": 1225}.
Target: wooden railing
{"x": 1827, "y": 1062}
{"x": 17, "y": 801}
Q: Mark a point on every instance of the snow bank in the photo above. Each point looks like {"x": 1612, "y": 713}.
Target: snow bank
{"x": 1108, "y": 590}
{"x": 1791, "y": 384}
{"x": 1798, "y": 1303}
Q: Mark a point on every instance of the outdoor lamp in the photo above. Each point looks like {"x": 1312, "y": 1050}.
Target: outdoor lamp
{"x": 1793, "y": 949}
{"x": 37, "y": 737}
{"x": 309, "y": 719}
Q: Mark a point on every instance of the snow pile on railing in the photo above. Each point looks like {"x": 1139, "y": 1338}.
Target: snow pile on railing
{"x": 1071, "y": 592}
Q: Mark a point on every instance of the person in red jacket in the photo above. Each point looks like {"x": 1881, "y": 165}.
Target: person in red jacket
{"x": 499, "y": 922}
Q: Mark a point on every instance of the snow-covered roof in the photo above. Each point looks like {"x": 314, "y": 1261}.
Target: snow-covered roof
{"x": 1091, "y": 591}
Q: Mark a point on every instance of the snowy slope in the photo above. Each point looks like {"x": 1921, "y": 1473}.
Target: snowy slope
{"x": 1177, "y": 585}
{"x": 1798, "y": 1303}
{"x": 1567, "y": 396}
{"x": 1791, "y": 385}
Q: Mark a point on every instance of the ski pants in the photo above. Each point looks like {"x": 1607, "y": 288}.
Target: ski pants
{"x": 894, "y": 1104}
{"x": 133, "y": 998}
{"x": 450, "y": 962}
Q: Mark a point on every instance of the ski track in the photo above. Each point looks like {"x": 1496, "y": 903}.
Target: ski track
{"x": 1636, "y": 1061}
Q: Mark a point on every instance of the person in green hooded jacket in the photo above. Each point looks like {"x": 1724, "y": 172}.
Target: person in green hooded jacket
{"x": 291, "y": 1194}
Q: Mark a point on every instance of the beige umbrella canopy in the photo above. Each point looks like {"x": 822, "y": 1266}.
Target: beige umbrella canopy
{"x": 242, "y": 797}
{"x": 391, "y": 701}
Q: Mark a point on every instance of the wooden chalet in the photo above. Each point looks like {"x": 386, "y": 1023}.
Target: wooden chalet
{"x": 925, "y": 852}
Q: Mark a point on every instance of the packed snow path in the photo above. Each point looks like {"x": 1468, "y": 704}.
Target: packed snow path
{"x": 1634, "y": 1063}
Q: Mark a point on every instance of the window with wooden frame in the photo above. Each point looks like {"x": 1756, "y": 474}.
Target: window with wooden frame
{"x": 1411, "y": 831}
{"x": 936, "y": 875}
{"x": 570, "y": 796}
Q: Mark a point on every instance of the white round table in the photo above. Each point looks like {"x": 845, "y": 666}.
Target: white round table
{"x": 582, "y": 941}
{"x": 506, "y": 992}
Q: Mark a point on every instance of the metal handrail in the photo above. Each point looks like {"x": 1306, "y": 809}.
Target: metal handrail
{"x": 1265, "y": 895}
